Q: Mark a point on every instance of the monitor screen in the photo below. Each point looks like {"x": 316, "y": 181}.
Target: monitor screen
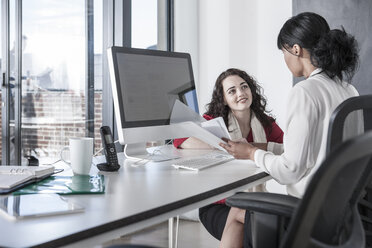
{"x": 148, "y": 82}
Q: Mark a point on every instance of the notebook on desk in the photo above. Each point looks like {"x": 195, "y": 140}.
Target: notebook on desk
{"x": 15, "y": 177}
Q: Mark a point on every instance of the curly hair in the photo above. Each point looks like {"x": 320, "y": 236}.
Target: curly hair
{"x": 217, "y": 107}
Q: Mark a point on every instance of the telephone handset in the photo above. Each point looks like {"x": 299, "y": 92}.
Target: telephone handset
{"x": 109, "y": 151}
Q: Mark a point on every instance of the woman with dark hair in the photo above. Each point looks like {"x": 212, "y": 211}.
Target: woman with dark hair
{"x": 238, "y": 99}
{"x": 328, "y": 60}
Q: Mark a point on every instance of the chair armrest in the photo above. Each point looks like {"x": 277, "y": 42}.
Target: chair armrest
{"x": 269, "y": 203}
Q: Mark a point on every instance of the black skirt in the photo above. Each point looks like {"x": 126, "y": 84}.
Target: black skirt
{"x": 214, "y": 217}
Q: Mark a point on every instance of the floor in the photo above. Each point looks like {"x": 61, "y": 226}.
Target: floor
{"x": 191, "y": 234}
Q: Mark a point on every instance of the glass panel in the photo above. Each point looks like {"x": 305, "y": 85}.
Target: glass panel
{"x": 53, "y": 89}
{"x": 145, "y": 30}
{"x": 144, "y": 24}
{"x": 98, "y": 73}
{"x": 12, "y": 75}
{"x": 1, "y": 75}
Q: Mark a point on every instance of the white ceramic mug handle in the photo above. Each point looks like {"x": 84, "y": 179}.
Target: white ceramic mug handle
{"x": 61, "y": 154}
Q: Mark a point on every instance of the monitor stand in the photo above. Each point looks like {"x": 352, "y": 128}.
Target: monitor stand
{"x": 138, "y": 151}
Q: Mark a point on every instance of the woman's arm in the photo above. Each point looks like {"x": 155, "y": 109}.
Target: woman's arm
{"x": 300, "y": 141}
{"x": 194, "y": 143}
{"x": 239, "y": 150}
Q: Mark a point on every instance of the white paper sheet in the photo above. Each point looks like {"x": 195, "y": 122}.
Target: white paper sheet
{"x": 181, "y": 113}
{"x": 217, "y": 127}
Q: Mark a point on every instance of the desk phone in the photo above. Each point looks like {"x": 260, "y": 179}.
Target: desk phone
{"x": 109, "y": 151}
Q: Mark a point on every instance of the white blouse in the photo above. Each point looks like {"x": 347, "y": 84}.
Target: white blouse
{"x": 309, "y": 107}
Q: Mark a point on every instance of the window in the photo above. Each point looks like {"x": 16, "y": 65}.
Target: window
{"x": 144, "y": 24}
{"x": 54, "y": 75}
{"x": 64, "y": 72}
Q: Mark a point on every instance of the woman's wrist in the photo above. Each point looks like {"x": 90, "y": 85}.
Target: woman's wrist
{"x": 251, "y": 153}
{"x": 262, "y": 146}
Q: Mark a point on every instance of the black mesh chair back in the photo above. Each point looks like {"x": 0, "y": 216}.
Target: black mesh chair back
{"x": 335, "y": 138}
{"x": 327, "y": 214}
{"x": 339, "y": 115}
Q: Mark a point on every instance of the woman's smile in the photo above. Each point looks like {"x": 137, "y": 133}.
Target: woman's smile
{"x": 242, "y": 100}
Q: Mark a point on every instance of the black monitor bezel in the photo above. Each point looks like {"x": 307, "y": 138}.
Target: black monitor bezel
{"x": 115, "y": 50}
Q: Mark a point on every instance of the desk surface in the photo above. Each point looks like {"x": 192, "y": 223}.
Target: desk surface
{"x": 135, "y": 197}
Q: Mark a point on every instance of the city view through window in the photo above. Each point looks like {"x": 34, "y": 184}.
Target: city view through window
{"x": 54, "y": 70}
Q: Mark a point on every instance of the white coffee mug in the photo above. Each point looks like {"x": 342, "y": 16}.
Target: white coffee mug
{"x": 81, "y": 153}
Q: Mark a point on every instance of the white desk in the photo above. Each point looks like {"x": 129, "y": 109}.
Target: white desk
{"x": 135, "y": 197}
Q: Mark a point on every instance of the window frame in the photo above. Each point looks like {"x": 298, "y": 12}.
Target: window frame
{"x": 116, "y": 31}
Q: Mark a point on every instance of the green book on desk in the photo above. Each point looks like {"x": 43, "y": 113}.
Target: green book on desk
{"x": 64, "y": 185}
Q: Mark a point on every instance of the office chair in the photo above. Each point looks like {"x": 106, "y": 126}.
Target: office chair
{"x": 335, "y": 137}
{"x": 327, "y": 215}
{"x": 339, "y": 115}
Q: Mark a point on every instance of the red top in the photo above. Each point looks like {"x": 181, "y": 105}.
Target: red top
{"x": 276, "y": 135}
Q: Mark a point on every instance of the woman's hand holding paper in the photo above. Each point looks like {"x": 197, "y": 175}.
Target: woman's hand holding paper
{"x": 239, "y": 150}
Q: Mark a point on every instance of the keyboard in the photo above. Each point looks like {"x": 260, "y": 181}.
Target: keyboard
{"x": 203, "y": 161}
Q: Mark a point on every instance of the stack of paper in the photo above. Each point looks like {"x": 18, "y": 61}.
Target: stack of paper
{"x": 211, "y": 132}
{"x": 217, "y": 127}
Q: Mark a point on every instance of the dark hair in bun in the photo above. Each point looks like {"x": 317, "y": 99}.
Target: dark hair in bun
{"x": 334, "y": 51}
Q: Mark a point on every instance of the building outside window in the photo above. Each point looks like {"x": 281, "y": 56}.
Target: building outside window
{"x": 54, "y": 69}
{"x": 53, "y": 75}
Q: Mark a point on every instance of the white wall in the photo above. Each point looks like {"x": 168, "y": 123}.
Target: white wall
{"x": 272, "y": 72}
{"x": 224, "y": 41}
{"x": 221, "y": 34}
{"x": 186, "y": 31}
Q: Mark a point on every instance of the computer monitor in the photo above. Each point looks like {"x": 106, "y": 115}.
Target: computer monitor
{"x": 145, "y": 85}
